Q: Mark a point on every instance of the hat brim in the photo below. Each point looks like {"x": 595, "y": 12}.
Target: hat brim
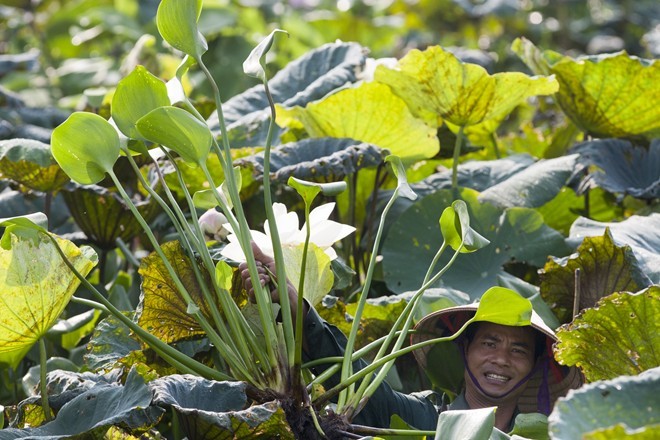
{"x": 448, "y": 321}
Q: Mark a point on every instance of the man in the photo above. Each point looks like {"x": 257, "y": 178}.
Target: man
{"x": 507, "y": 366}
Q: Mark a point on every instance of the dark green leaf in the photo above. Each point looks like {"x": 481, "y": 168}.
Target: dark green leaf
{"x": 604, "y": 269}
{"x": 623, "y": 168}
{"x": 621, "y": 335}
{"x": 110, "y": 342}
{"x": 31, "y": 380}
{"x": 638, "y": 232}
{"x": 534, "y": 186}
{"x": 515, "y": 234}
{"x": 624, "y": 402}
{"x": 317, "y": 159}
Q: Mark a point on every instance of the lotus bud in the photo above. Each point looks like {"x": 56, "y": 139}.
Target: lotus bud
{"x": 212, "y": 223}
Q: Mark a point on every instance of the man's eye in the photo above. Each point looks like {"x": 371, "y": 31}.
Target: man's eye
{"x": 488, "y": 344}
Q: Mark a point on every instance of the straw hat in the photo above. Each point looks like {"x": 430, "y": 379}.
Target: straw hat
{"x": 549, "y": 382}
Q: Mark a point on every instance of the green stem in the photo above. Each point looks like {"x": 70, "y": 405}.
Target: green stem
{"x": 43, "y": 370}
{"x": 382, "y": 432}
{"x": 457, "y": 155}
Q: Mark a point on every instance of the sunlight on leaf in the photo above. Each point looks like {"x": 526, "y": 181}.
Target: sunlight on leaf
{"x": 177, "y": 130}
{"x": 31, "y": 163}
{"x": 456, "y": 230}
{"x": 86, "y": 146}
{"x": 35, "y": 287}
{"x": 177, "y": 24}
{"x": 436, "y": 83}
{"x": 505, "y": 307}
{"x": 609, "y": 95}
{"x": 368, "y": 113}
{"x": 604, "y": 268}
{"x": 318, "y": 276}
{"x": 136, "y": 95}
{"x": 620, "y": 335}
{"x": 402, "y": 181}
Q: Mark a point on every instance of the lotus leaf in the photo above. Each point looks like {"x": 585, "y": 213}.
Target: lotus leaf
{"x": 369, "y": 113}
{"x": 86, "y": 146}
{"x": 622, "y": 167}
{"x": 318, "y": 277}
{"x": 624, "y": 402}
{"x": 162, "y": 309}
{"x": 609, "y": 95}
{"x": 621, "y": 335}
{"x": 36, "y": 286}
{"x": 92, "y": 412}
{"x": 104, "y": 216}
{"x": 31, "y": 164}
{"x": 534, "y": 186}
{"x": 515, "y": 234}
{"x": 110, "y": 342}
{"x": 436, "y": 83}
{"x": 638, "y": 232}
{"x": 604, "y": 268}
{"x": 211, "y": 409}
{"x": 255, "y": 64}
{"x": 136, "y": 95}
{"x": 177, "y": 23}
{"x": 473, "y": 424}
{"x": 317, "y": 159}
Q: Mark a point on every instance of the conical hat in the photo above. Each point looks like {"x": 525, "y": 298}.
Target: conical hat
{"x": 548, "y": 383}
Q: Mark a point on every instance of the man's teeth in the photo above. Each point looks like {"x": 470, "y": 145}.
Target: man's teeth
{"x": 497, "y": 377}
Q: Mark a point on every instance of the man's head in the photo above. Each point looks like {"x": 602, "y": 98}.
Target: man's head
{"x": 498, "y": 358}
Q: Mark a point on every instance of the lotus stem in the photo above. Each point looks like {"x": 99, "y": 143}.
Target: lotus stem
{"x": 43, "y": 386}
{"x": 457, "y": 155}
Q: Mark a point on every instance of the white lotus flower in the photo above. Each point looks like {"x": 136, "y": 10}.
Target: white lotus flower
{"x": 324, "y": 232}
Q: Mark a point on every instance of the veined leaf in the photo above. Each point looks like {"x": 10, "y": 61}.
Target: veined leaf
{"x": 604, "y": 268}
{"x": 622, "y": 404}
{"x": 610, "y": 95}
{"x": 368, "y": 113}
{"x": 35, "y": 287}
{"x": 136, "y": 95}
{"x": 620, "y": 335}
{"x": 31, "y": 163}
{"x": 177, "y": 130}
{"x": 505, "y": 307}
{"x": 318, "y": 276}
{"x": 86, "y": 146}
{"x": 436, "y": 83}
{"x": 177, "y": 24}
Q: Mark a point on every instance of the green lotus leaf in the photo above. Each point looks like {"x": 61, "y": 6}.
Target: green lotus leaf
{"x": 638, "y": 232}
{"x": 505, "y": 307}
{"x": 136, "y": 95}
{"x": 162, "y": 308}
{"x": 92, "y": 413}
{"x": 625, "y": 401}
{"x": 621, "y": 335}
{"x": 369, "y": 113}
{"x": 399, "y": 171}
{"x": 86, "y": 146}
{"x": 532, "y": 187}
{"x": 255, "y": 64}
{"x": 177, "y": 130}
{"x": 110, "y": 342}
{"x": 30, "y": 380}
{"x": 35, "y": 287}
{"x": 318, "y": 277}
{"x": 31, "y": 164}
{"x": 604, "y": 268}
{"x": 622, "y": 167}
{"x": 316, "y": 159}
{"x": 610, "y": 95}
{"x": 515, "y": 234}
{"x": 104, "y": 216}
{"x": 436, "y": 83}
{"x": 72, "y": 330}
{"x": 456, "y": 230}
{"x": 177, "y": 24}
{"x": 211, "y": 409}
{"x": 475, "y": 424}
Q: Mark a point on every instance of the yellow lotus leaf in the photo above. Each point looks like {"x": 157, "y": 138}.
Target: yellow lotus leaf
{"x": 35, "y": 287}
{"x": 369, "y": 113}
{"x": 434, "y": 83}
{"x": 609, "y": 95}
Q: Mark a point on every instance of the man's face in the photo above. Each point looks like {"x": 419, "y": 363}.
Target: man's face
{"x": 499, "y": 357}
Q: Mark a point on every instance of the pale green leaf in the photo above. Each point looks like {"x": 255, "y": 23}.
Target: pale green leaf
{"x": 318, "y": 276}
{"x": 177, "y": 24}
{"x": 255, "y": 64}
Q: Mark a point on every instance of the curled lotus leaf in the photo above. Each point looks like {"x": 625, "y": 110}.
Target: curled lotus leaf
{"x": 36, "y": 287}
{"x": 604, "y": 268}
{"x": 622, "y": 167}
{"x": 369, "y": 113}
{"x": 436, "y": 83}
{"x": 317, "y": 159}
{"x": 104, "y": 216}
{"x": 609, "y": 95}
{"x": 620, "y": 335}
{"x": 31, "y": 164}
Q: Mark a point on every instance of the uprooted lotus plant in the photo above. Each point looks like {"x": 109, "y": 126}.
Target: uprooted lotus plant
{"x": 190, "y": 293}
